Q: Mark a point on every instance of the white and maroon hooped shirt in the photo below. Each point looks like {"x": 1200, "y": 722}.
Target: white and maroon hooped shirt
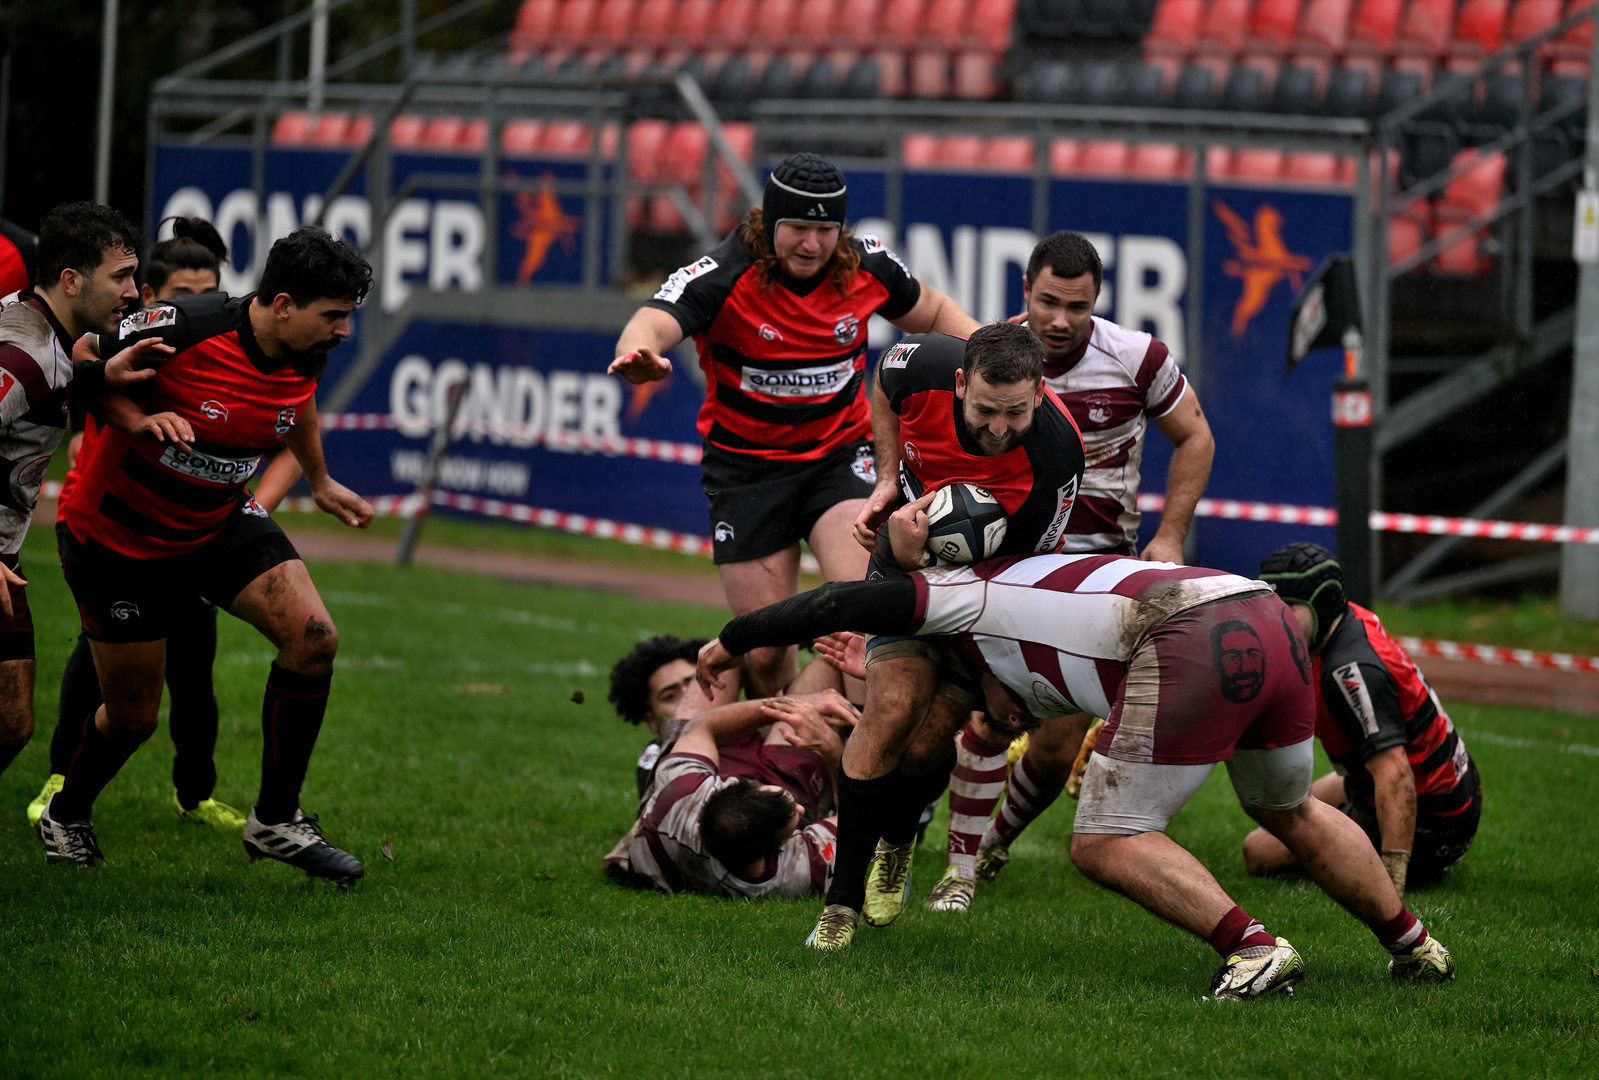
{"x": 1117, "y": 380}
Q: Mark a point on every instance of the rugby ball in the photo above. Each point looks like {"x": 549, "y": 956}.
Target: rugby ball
{"x": 965, "y": 524}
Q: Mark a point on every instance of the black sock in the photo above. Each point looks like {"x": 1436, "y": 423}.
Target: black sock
{"x": 291, "y": 718}
{"x": 191, "y": 651}
{"x": 901, "y": 820}
{"x": 80, "y": 696}
{"x": 861, "y": 805}
{"x": 95, "y": 762}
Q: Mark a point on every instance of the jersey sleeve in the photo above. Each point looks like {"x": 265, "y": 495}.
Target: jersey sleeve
{"x": 919, "y": 363}
{"x": 903, "y": 290}
{"x": 1159, "y": 380}
{"x": 180, "y": 322}
{"x": 1363, "y": 698}
{"x": 695, "y": 293}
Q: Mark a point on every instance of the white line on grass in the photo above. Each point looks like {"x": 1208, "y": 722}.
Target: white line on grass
{"x": 1529, "y": 744}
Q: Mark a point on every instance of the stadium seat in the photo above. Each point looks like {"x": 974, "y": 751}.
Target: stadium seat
{"x": 944, "y": 24}
{"x": 573, "y": 22}
{"x": 1428, "y": 150}
{"x": 1174, "y": 28}
{"x": 682, "y": 155}
{"x": 901, "y": 23}
{"x": 1479, "y": 31}
{"x": 1324, "y": 27}
{"x": 1311, "y": 167}
{"x": 974, "y": 76}
{"x": 929, "y": 74}
{"x": 1245, "y": 90}
{"x": 1375, "y": 28}
{"x": 864, "y": 81}
{"x": 291, "y": 128}
{"x": 1158, "y": 161}
{"x": 1530, "y": 17}
{"x": 567, "y": 138}
{"x": 1398, "y": 87}
{"x": 359, "y": 131}
{"x": 1406, "y": 233}
{"x": 535, "y": 28}
{"x": 1145, "y": 85}
{"x": 1426, "y": 28}
{"x": 818, "y": 80}
{"x": 654, "y": 23}
{"x": 1097, "y": 82}
{"x": 613, "y": 24}
{"x": 1196, "y": 88}
{"x": 772, "y": 24}
{"x": 520, "y": 138}
{"x": 1273, "y": 26}
{"x": 733, "y": 82}
{"x": 1103, "y": 157}
{"x": 645, "y": 138}
{"x": 1063, "y": 156}
{"x": 990, "y": 22}
{"x": 1479, "y": 189}
{"x": 1348, "y": 92}
{"x": 1556, "y": 90}
{"x": 473, "y": 138}
{"x": 776, "y": 79}
{"x": 1225, "y": 28}
{"x": 1010, "y": 153}
{"x": 1295, "y": 91}
{"x": 1258, "y": 163}
{"x": 815, "y": 23}
{"x": 730, "y": 24}
{"x": 891, "y": 66}
{"x": 857, "y": 22}
{"x": 405, "y": 131}
{"x": 963, "y": 151}
{"x": 919, "y": 151}
{"x": 328, "y": 129}
{"x": 1050, "y": 82}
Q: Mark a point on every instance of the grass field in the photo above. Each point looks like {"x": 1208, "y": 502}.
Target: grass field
{"x": 490, "y": 945}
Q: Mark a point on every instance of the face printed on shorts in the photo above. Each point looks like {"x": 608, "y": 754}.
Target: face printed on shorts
{"x": 1240, "y": 660}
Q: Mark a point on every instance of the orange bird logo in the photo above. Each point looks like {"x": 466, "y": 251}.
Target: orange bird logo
{"x": 541, "y": 222}
{"x": 1263, "y": 259}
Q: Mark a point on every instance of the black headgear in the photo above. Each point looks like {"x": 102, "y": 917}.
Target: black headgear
{"x": 1308, "y": 574}
{"x": 804, "y": 187}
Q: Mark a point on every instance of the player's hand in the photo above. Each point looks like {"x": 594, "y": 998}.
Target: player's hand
{"x": 336, "y": 499}
{"x": 641, "y": 366}
{"x": 1018, "y": 320}
{"x": 907, "y": 532}
{"x": 806, "y": 723}
{"x": 1163, "y": 549}
{"x": 713, "y": 660}
{"x": 845, "y": 651}
{"x": 883, "y": 498}
{"x": 8, "y": 578}
{"x": 83, "y": 349}
{"x": 137, "y": 363}
{"x": 164, "y": 427}
{"x": 74, "y": 445}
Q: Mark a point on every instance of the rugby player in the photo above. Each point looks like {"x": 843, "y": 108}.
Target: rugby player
{"x": 185, "y": 265}
{"x": 779, "y": 312}
{"x": 86, "y": 258}
{"x": 1115, "y": 382}
{"x": 1403, "y": 774}
{"x": 146, "y": 529}
{"x": 943, "y": 411}
{"x": 1189, "y": 667}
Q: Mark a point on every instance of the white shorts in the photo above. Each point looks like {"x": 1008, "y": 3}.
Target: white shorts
{"x": 1126, "y": 798}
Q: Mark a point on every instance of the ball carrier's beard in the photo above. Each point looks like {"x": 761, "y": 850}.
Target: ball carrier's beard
{"x": 311, "y": 362}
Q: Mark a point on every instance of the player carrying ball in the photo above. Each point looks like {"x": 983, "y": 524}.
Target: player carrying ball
{"x": 148, "y": 526}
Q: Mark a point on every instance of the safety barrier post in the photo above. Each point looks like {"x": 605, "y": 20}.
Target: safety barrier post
{"x": 1351, "y": 415}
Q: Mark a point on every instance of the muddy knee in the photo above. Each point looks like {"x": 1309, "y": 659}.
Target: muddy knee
{"x": 313, "y": 649}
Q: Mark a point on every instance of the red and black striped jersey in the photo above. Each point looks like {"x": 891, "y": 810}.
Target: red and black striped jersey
{"x": 151, "y": 500}
{"x": 784, "y": 364}
{"x": 1369, "y": 697}
{"x": 1036, "y": 481}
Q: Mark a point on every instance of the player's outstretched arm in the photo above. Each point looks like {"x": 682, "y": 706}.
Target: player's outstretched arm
{"x": 305, "y": 443}
{"x": 885, "y": 444}
{"x": 280, "y": 476}
{"x": 1395, "y": 786}
{"x": 641, "y": 350}
{"x": 1193, "y": 447}
{"x": 711, "y": 728}
{"x": 936, "y": 313}
{"x": 118, "y": 411}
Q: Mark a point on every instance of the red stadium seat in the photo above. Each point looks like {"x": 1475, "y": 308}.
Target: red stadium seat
{"x": 565, "y": 138}
{"x": 1324, "y": 27}
{"x": 474, "y": 137}
{"x": 772, "y": 21}
{"x": 1575, "y": 45}
{"x": 1104, "y": 158}
{"x": 1225, "y": 28}
{"x": 520, "y": 138}
{"x": 730, "y": 24}
{"x": 965, "y": 151}
{"x": 645, "y": 138}
{"x": 1426, "y": 28}
{"x": 329, "y": 129}
{"x": 1158, "y": 161}
{"x": 613, "y": 24}
{"x": 857, "y": 22}
{"x": 1406, "y": 233}
{"x": 291, "y": 128}
{"x": 405, "y": 133}
{"x": 919, "y": 151}
{"x": 816, "y": 24}
{"x": 683, "y": 155}
{"x": 535, "y": 27}
{"x": 1479, "y": 189}
{"x": 1174, "y": 27}
{"x": 359, "y": 131}
{"x": 1480, "y": 28}
{"x": 901, "y": 23}
{"x": 1010, "y": 153}
{"x": 443, "y": 133}
{"x": 1063, "y": 156}
{"x": 1258, "y": 163}
{"x": 573, "y": 23}
{"x": 1311, "y": 167}
{"x": 974, "y": 76}
{"x": 1218, "y": 162}
{"x": 1274, "y": 25}
{"x": 945, "y": 22}
{"x": 1531, "y": 17}
{"x": 929, "y": 74}
{"x": 1375, "y": 28}
{"x": 990, "y": 22}
{"x": 654, "y": 23}
{"x": 694, "y": 25}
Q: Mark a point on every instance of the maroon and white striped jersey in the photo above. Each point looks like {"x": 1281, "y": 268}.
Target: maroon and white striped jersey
{"x": 1058, "y": 630}
{"x": 1116, "y": 381}
{"x": 35, "y": 381}
{"x": 665, "y": 850}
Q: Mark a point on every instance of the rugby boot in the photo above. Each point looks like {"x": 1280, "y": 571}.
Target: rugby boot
{"x": 300, "y": 844}
{"x": 992, "y": 855}
{"x": 1258, "y": 971}
{"x": 69, "y": 843}
{"x": 1427, "y": 962}
{"x": 952, "y": 893}
{"x": 888, "y": 882}
{"x": 51, "y": 786}
{"x": 834, "y": 929}
{"x": 209, "y": 812}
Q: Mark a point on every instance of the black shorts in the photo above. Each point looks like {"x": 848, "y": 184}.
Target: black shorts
{"x": 759, "y": 507}
{"x": 16, "y": 633}
{"x": 1440, "y": 841}
{"x": 123, "y": 599}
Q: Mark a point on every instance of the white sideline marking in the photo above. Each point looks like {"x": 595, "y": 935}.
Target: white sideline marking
{"x": 1529, "y": 744}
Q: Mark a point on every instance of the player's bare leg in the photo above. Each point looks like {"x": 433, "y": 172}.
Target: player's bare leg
{"x": 284, "y": 605}
{"x": 755, "y": 583}
{"x": 1267, "y": 856}
{"x": 16, "y": 708}
{"x": 1155, "y": 872}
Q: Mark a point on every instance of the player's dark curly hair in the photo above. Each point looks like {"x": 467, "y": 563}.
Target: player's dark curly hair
{"x": 1068, "y": 255}
{"x": 841, "y": 267}
{"x": 742, "y": 822}
{"x": 630, "y": 678}
{"x": 1004, "y": 353}
{"x": 310, "y": 264}
{"x": 77, "y": 235}
{"x": 195, "y": 245}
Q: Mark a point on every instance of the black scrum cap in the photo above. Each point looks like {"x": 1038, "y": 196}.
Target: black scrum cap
{"x": 804, "y": 187}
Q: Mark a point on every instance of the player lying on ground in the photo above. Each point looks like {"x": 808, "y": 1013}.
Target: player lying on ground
{"x": 147, "y": 528}
{"x": 185, "y": 265}
{"x": 944, "y": 412}
{"x": 779, "y": 311}
{"x": 86, "y": 258}
{"x": 648, "y": 685}
{"x": 1189, "y": 667}
{"x": 1403, "y": 774}
{"x": 726, "y": 806}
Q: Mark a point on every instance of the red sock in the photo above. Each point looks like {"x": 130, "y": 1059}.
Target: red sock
{"x": 975, "y": 788}
{"x": 1401, "y": 934}
{"x": 1031, "y": 792}
{"x": 1238, "y": 931}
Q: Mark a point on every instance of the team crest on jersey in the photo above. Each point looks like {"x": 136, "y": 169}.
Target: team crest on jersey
{"x": 253, "y": 508}
{"x": 1051, "y": 699}
{"x": 863, "y": 466}
{"x": 1352, "y": 685}
{"x": 1098, "y": 408}
{"x": 214, "y": 410}
{"x": 769, "y": 332}
{"x": 285, "y": 421}
{"x": 147, "y": 319}
{"x": 911, "y": 454}
{"x": 846, "y": 330}
{"x": 672, "y": 291}
{"x": 899, "y": 355}
{"x": 1055, "y": 535}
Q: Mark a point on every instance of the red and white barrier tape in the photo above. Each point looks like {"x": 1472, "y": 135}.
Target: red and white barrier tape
{"x": 530, "y": 435}
{"x": 1492, "y": 654}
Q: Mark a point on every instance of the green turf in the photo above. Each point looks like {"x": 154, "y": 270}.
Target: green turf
{"x": 492, "y": 946}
